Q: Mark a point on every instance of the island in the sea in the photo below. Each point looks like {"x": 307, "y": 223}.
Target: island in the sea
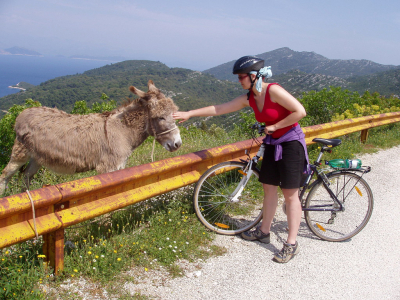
{"x": 19, "y": 51}
{"x": 21, "y": 86}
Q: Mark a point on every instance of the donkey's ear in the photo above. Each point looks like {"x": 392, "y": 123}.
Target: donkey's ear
{"x": 152, "y": 87}
{"x": 136, "y": 91}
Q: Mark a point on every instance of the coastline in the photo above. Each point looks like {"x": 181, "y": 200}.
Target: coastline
{"x": 20, "y": 54}
{"x": 36, "y": 70}
{"x": 16, "y": 87}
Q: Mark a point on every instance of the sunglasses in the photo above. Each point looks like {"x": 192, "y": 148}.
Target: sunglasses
{"x": 242, "y": 77}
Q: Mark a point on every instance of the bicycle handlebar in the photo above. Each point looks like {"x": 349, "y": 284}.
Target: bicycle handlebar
{"x": 260, "y": 128}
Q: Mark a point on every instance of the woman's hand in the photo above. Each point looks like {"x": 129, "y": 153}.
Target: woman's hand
{"x": 181, "y": 115}
{"x": 270, "y": 129}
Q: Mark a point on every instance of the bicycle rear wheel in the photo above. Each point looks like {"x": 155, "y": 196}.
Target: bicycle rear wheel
{"x": 356, "y": 197}
{"x": 223, "y": 203}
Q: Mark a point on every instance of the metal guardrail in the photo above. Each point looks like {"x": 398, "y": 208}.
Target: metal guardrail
{"x": 65, "y": 204}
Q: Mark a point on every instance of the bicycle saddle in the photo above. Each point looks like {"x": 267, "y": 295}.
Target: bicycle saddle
{"x": 328, "y": 142}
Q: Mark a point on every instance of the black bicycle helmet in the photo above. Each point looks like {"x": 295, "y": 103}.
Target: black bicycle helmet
{"x": 246, "y": 64}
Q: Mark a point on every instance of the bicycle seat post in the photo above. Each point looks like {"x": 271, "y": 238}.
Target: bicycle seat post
{"x": 323, "y": 149}
{"x": 318, "y": 160}
{"x": 326, "y": 145}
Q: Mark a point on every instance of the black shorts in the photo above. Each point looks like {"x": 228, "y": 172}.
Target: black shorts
{"x": 286, "y": 173}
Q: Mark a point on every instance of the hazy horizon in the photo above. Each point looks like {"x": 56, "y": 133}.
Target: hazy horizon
{"x": 202, "y": 35}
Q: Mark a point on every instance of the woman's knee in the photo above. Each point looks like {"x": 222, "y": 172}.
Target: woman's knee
{"x": 291, "y": 194}
{"x": 268, "y": 188}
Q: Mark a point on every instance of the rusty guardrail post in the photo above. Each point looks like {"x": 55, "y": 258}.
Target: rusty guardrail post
{"x": 364, "y": 135}
{"x": 53, "y": 248}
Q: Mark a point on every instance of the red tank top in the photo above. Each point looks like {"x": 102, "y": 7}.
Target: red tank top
{"x": 271, "y": 113}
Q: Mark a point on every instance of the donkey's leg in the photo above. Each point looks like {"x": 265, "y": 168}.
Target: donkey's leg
{"x": 110, "y": 166}
{"x": 19, "y": 157}
{"x": 30, "y": 170}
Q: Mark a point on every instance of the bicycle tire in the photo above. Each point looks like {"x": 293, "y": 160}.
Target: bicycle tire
{"x": 214, "y": 199}
{"x": 355, "y": 195}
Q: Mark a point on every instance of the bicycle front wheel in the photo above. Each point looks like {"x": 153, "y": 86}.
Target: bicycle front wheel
{"x": 227, "y": 200}
{"x": 333, "y": 224}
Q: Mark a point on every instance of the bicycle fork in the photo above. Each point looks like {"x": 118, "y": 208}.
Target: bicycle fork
{"x": 247, "y": 173}
{"x": 237, "y": 193}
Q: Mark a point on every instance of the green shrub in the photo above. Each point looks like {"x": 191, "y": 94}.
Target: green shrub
{"x": 7, "y": 133}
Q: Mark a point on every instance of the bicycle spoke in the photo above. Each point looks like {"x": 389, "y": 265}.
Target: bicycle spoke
{"x": 356, "y": 197}
{"x": 214, "y": 194}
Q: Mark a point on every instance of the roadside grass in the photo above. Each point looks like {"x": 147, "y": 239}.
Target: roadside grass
{"x": 154, "y": 234}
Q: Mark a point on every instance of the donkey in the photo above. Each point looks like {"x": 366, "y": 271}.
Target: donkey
{"x": 69, "y": 144}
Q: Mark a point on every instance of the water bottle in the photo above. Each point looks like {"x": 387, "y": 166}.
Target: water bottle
{"x": 336, "y": 163}
{"x": 353, "y": 163}
{"x": 344, "y": 163}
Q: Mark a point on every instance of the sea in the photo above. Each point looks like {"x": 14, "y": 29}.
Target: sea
{"x": 38, "y": 69}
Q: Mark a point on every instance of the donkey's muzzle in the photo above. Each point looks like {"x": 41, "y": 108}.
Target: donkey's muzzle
{"x": 173, "y": 146}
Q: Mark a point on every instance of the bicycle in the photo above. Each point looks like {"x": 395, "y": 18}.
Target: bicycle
{"x": 337, "y": 204}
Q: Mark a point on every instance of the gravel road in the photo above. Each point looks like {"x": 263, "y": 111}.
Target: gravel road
{"x": 365, "y": 267}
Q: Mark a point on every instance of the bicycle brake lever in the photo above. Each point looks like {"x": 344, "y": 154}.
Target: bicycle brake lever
{"x": 261, "y": 129}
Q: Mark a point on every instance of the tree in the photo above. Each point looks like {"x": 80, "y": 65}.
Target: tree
{"x": 7, "y": 133}
{"x": 81, "y": 107}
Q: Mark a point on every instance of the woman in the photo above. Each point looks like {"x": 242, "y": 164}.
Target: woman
{"x": 285, "y": 157}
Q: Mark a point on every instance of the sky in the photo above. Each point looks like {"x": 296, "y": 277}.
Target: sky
{"x": 199, "y": 35}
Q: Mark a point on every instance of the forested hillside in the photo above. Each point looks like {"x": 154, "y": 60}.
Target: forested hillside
{"x": 386, "y": 83}
{"x": 298, "y": 82}
{"x": 189, "y": 89}
{"x": 283, "y": 60}
{"x": 304, "y": 71}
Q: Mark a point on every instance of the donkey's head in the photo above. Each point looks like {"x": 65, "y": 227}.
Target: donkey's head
{"x": 160, "y": 124}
